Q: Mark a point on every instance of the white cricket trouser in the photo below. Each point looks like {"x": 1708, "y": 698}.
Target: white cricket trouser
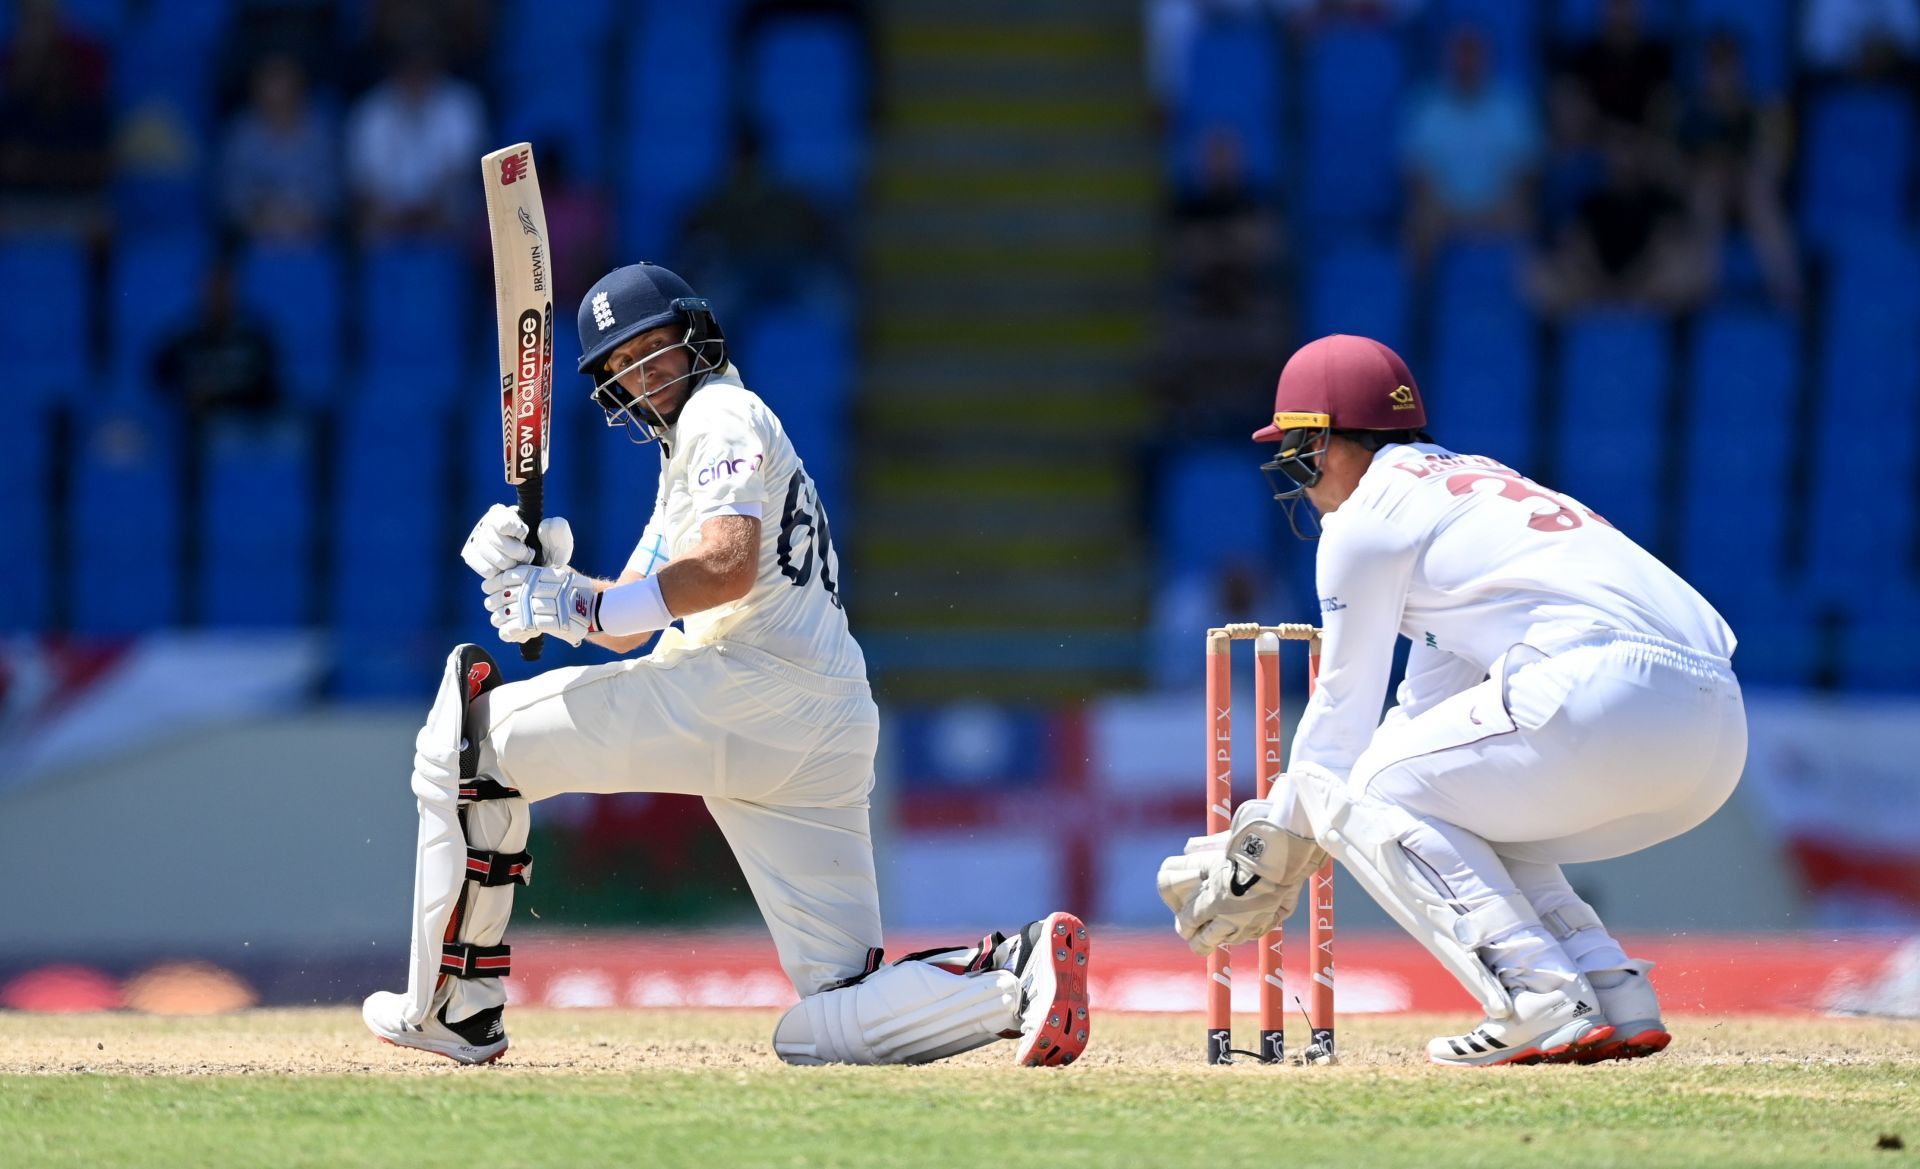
{"x": 783, "y": 757}
{"x": 1609, "y": 746}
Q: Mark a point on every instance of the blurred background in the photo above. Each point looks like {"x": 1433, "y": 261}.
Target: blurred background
{"x": 1018, "y": 275}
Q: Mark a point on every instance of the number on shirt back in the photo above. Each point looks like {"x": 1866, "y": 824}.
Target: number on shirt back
{"x": 803, "y": 533}
{"x": 1563, "y": 517}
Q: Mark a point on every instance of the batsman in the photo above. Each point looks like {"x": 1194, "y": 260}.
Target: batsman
{"x": 1567, "y": 698}
{"x": 759, "y": 704}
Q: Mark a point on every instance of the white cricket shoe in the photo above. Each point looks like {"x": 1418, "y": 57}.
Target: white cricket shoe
{"x": 1548, "y": 1026}
{"x": 1050, "y": 958}
{"x": 480, "y": 1038}
{"x": 1630, "y": 1005}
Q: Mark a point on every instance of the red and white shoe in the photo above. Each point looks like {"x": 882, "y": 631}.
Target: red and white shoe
{"x": 1630, "y": 1005}
{"x": 1551, "y": 1026}
{"x": 1050, "y": 957}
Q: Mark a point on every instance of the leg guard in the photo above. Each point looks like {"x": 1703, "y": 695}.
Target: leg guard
{"x": 910, "y": 1012}
{"x": 471, "y": 852}
{"x": 1366, "y": 835}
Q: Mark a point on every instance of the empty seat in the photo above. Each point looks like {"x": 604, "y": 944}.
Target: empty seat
{"x": 1358, "y": 286}
{"x": 1352, "y": 93}
{"x": 123, "y": 522}
{"x": 1214, "y": 509}
{"x": 1881, "y": 642}
{"x": 1482, "y": 367}
{"x": 46, "y": 329}
{"x": 413, "y": 306}
{"x": 679, "y": 104}
{"x": 1868, "y": 415}
{"x": 1233, "y": 87}
{"x": 256, "y": 527}
{"x": 1857, "y": 161}
{"x": 296, "y": 291}
{"x": 154, "y": 286}
{"x": 552, "y": 78}
{"x": 806, "y": 99}
{"x": 1743, "y": 375}
{"x": 1614, "y": 374}
{"x": 1579, "y": 20}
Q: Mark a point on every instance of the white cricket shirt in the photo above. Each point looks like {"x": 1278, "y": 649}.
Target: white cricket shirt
{"x": 1468, "y": 558}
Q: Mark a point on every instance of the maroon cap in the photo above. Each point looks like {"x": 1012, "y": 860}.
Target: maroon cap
{"x": 1347, "y": 383}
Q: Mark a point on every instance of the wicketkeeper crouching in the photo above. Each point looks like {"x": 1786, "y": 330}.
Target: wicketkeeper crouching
{"x": 760, "y": 706}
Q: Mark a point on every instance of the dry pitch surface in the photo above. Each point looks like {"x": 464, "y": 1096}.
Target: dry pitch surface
{"x": 291, "y": 1088}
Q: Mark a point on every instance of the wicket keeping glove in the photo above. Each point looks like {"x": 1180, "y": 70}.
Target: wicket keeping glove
{"x": 498, "y": 542}
{"x": 527, "y": 602}
{"x": 1236, "y": 885}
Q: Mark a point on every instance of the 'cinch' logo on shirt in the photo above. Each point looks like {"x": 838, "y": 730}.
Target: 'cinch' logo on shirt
{"x": 725, "y": 469}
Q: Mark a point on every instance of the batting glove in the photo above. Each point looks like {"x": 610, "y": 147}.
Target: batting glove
{"x": 528, "y": 602}
{"x": 498, "y": 542}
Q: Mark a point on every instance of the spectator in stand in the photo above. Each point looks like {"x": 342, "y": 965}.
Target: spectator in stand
{"x": 1839, "y": 36}
{"x": 1632, "y": 241}
{"x": 757, "y": 240}
{"x": 1199, "y": 598}
{"x": 1737, "y": 150}
{"x": 413, "y": 144}
{"x": 1471, "y": 146}
{"x": 1226, "y": 325}
{"x": 279, "y": 168}
{"x": 221, "y": 364}
{"x": 54, "y": 139}
{"x": 579, "y": 222}
{"x": 1620, "y": 80}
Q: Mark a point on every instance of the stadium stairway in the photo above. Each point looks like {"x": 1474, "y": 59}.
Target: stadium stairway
{"x": 1008, "y": 262}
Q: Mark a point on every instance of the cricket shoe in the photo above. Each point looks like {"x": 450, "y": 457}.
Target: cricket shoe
{"x": 1050, "y": 959}
{"x": 1627, "y": 1000}
{"x": 479, "y": 1038}
{"x": 1550, "y": 1026}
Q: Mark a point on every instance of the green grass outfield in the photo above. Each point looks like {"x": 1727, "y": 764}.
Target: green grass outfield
{"x": 665, "y": 1089}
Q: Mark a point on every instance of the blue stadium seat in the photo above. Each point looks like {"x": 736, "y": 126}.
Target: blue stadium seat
{"x": 414, "y": 308}
{"x": 806, "y": 98}
{"x": 124, "y": 497}
{"x": 167, "y": 53}
{"x": 1233, "y": 85}
{"x": 1358, "y": 286}
{"x": 552, "y": 77}
{"x": 26, "y": 485}
{"x": 1512, "y": 31}
{"x": 1869, "y": 377}
{"x": 800, "y": 359}
{"x": 1614, "y": 374}
{"x": 678, "y": 90}
{"x": 1214, "y": 508}
{"x": 1743, "y": 376}
{"x": 1352, "y": 91}
{"x": 1764, "y": 28}
{"x": 153, "y": 287}
{"x": 1882, "y": 640}
{"x": 296, "y": 290}
{"x": 1482, "y": 371}
{"x": 1857, "y": 161}
{"x": 1780, "y": 638}
{"x": 256, "y": 527}
{"x": 47, "y": 328}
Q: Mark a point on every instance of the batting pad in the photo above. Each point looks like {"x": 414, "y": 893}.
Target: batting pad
{"x": 911, "y": 1012}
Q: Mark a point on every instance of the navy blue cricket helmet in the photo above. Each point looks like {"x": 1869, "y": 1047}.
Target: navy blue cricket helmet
{"x": 632, "y": 300}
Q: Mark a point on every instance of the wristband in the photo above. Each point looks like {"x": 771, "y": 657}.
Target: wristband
{"x": 634, "y": 607}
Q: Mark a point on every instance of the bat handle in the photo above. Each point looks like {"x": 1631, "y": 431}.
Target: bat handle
{"x": 531, "y": 502}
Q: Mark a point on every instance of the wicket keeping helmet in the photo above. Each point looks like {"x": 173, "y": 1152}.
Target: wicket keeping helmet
{"x": 1338, "y": 382}
{"x": 629, "y": 301}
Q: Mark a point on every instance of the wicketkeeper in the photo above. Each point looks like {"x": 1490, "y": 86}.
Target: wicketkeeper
{"x": 1567, "y": 699}
{"x": 760, "y": 706}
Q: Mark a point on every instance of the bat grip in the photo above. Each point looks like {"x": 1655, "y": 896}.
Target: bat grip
{"x": 531, "y": 502}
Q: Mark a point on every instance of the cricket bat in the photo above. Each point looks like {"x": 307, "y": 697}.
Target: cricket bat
{"x": 523, "y": 309}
